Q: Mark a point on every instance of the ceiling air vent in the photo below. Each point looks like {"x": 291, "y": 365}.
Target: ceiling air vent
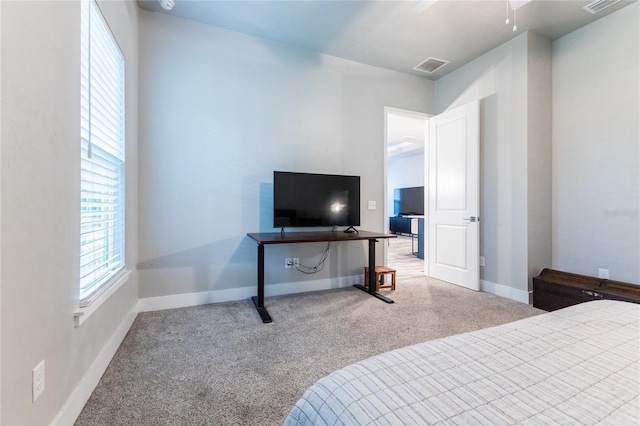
{"x": 430, "y": 65}
{"x": 598, "y": 5}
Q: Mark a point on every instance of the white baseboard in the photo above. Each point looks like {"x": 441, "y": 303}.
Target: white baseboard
{"x": 505, "y": 291}
{"x": 217, "y": 296}
{"x": 74, "y": 405}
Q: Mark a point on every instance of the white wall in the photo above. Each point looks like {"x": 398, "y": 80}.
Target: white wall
{"x": 0, "y": 214}
{"x": 596, "y": 180}
{"x": 500, "y": 80}
{"x": 539, "y": 164}
{"x": 220, "y": 111}
{"x": 39, "y": 228}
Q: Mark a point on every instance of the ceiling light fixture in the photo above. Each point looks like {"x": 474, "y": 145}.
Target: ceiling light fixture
{"x": 514, "y": 5}
{"x": 167, "y": 4}
{"x": 506, "y": 22}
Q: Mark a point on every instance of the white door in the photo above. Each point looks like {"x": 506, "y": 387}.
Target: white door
{"x": 453, "y": 167}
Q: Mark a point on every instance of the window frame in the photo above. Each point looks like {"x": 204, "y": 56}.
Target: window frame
{"x": 103, "y": 162}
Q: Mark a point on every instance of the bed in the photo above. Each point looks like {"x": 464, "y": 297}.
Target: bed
{"x": 578, "y": 365}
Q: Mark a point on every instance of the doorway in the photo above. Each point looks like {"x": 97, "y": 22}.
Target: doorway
{"x": 450, "y": 236}
{"x": 405, "y": 140}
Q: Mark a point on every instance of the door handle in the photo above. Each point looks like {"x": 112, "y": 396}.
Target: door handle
{"x": 472, "y": 219}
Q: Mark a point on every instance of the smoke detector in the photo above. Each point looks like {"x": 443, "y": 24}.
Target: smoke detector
{"x": 430, "y": 65}
{"x": 167, "y": 4}
{"x": 598, "y": 5}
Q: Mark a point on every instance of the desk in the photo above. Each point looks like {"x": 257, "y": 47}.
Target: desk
{"x": 314, "y": 237}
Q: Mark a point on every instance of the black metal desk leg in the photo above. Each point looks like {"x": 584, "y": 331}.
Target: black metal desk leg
{"x": 259, "y": 300}
{"x": 372, "y": 266}
{"x": 372, "y": 274}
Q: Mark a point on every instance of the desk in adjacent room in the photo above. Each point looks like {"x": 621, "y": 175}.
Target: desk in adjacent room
{"x": 314, "y": 237}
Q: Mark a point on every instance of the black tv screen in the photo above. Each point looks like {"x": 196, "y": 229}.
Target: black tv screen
{"x": 310, "y": 199}
{"x": 409, "y": 201}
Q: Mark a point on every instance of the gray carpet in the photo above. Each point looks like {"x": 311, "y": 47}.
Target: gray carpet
{"x": 219, "y": 365}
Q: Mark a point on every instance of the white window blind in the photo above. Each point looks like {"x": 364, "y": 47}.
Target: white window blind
{"x": 102, "y": 133}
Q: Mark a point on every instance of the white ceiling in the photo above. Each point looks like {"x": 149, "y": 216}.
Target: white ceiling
{"x": 405, "y": 135}
{"x": 396, "y": 35}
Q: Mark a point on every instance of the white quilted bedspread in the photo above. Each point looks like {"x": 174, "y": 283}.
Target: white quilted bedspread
{"x": 578, "y": 365}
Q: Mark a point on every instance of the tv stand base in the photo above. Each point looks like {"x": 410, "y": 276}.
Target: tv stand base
{"x": 374, "y": 294}
{"x": 264, "y": 314}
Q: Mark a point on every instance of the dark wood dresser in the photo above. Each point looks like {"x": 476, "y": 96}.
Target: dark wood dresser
{"x": 556, "y": 290}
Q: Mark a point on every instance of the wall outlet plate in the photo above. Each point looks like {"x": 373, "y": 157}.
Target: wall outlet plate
{"x": 371, "y": 205}
{"x": 603, "y": 273}
{"x": 481, "y": 260}
{"x": 37, "y": 376}
{"x": 288, "y": 263}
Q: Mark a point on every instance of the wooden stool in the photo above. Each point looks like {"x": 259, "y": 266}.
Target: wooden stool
{"x": 381, "y": 271}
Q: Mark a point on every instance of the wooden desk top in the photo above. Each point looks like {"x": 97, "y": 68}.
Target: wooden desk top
{"x": 314, "y": 237}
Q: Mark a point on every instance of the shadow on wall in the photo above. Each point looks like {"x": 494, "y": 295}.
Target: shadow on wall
{"x": 266, "y": 207}
{"x": 489, "y": 179}
{"x": 223, "y": 264}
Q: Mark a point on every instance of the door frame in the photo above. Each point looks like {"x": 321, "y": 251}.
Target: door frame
{"x": 408, "y": 113}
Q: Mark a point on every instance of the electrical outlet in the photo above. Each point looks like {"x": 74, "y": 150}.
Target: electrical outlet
{"x": 371, "y": 205}
{"x": 603, "y": 273}
{"x": 296, "y": 261}
{"x": 37, "y": 376}
{"x": 481, "y": 260}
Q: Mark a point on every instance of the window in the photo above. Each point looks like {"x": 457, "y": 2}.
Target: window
{"x": 102, "y": 198}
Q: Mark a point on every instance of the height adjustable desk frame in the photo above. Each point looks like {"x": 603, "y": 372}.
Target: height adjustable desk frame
{"x": 314, "y": 237}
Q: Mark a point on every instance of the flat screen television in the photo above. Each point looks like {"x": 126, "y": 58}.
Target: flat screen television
{"x": 311, "y": 199}
{"x": 409, "y": 201}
